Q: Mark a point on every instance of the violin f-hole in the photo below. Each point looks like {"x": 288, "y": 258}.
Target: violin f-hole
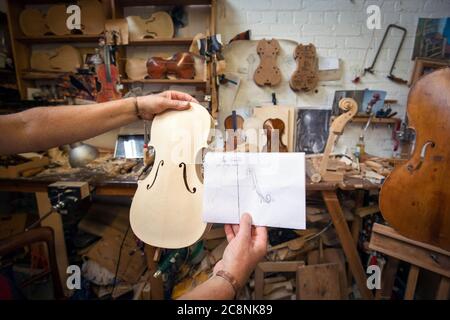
{"x": 160, "y": 164}
{"x": 183, "y": 165}
{"x": 423, "y": 152}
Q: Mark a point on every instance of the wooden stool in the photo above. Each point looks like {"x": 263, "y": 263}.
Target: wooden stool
{"x": 420, "y": 255}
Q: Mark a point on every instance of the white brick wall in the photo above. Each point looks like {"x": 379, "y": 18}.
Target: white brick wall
{"x": 338, "y": 29}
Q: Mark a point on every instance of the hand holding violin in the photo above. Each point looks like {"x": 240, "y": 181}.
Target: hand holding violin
{"x": 150, "y": 105}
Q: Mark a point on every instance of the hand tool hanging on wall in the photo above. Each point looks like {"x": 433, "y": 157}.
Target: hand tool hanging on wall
{"x": 391, "y": 75}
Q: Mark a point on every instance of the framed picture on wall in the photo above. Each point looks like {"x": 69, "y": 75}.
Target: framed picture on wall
{"x": 312, "y": 128}
{"x": 424, "y": 66}
{"x": 432, "y": 39}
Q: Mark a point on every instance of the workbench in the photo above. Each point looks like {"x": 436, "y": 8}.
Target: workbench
{"x": 126, "y": 186}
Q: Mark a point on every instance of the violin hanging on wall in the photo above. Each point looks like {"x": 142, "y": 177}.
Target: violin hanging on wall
{"x": 415, "y": 198}
{"x": 181, "y": 66}
{"x": 166, "y": 211}
{"x": 108, "y": 75}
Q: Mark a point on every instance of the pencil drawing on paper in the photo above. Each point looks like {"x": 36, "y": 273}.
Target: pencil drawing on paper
{"x": 267, "y": 198}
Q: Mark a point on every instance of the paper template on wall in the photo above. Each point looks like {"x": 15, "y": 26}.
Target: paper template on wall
{"x": 269, "y": 186}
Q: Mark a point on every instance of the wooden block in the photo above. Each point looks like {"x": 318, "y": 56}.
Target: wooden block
{"x": 331, "y": 255}
{"x": 318, "y": 282}
{"x": 265, "y": 267}
{"x": 15, "y": 171}
{"x": 365, "y": 211}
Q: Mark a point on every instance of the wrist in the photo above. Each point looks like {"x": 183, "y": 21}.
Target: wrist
{"x": 136, "y": 108}
{"x": 226, "y": 284}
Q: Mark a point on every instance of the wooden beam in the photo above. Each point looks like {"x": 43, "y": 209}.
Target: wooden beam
{"x": 347, "y": 242}
{"x": 54, "y": 221}
{"x": 386, "y": 240}
{"x": 443, "y": 290}
{"x": 412, "y": 282}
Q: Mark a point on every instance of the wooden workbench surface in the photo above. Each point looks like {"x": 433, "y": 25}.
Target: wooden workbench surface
{"x": 125, "y": 185}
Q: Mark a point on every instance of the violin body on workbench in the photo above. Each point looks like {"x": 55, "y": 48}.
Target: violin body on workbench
{"x": 415, "y": 198}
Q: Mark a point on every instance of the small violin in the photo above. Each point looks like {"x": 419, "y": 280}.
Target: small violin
{"x": 166, "y": 211}
{"x": 275, "y": 130}
{"x": 234, "y": 124}
{"x": 108, "y": 77}
{"x": 180, "y": 65}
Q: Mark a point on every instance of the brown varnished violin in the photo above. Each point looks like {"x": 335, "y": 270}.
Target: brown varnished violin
{"x": 274, "y": 130}
{"x": 181, "y": 65}
{"x": 415, "y": 198}
{"x": 166, "y": 211}
{"x": 233, "y": 124}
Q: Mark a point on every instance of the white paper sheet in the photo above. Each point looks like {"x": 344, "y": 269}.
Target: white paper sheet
{"x": 269, "y": 186}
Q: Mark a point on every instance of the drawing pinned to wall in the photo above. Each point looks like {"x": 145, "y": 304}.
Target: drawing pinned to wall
{"x": 312, "y": 128}
{"x": 432, "y": 39}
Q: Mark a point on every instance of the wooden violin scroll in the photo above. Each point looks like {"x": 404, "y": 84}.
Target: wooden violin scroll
{"x": 267, "y": 72}
{"x": 305, "y": 77}
{"x": 415, "y": 197}
{"x": 166, "y": 211}
{"x": 350, "y": 108}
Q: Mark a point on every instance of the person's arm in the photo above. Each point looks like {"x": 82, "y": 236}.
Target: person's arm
{"x": 247, "y": 245}
{"x": 46, "y": 127}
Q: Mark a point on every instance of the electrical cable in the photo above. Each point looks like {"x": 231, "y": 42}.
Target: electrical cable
{"x": 118, "y": 260}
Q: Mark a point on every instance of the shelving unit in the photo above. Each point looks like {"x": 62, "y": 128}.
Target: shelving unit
{"x": 167, "y": 81}
{"x": 59, "y": 39}
{"x": 113, "y": 9}
{"x": 164, "y": 42}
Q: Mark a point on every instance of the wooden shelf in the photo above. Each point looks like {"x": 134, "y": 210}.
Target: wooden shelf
{"x": 6, "y": 71}
{"x": 56, "y": 39}
{"x": 38, "y": 75}
{"x": 166, "y": 41}
{"x": 138, "y": 3}
{"x": 192, "y": 82}
{"x": 363, "y": 120}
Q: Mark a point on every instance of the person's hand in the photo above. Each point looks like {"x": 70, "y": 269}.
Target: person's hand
{"x": 247, "y": 245}
{"x": 150, "y": 105}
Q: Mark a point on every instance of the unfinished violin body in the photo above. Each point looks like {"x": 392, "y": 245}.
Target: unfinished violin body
{"x": 158, "y": 25}
{"x": 415, "y": 198}
{"x": 166, "y": 211}
{"x": 180, "y": 66}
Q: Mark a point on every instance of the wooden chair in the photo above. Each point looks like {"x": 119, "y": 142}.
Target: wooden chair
{"x": 42, "y": 234}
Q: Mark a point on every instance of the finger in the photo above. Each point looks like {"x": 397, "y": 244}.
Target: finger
{"x": 229, "y": 232}
{"x": 175, "y": 104}
{"x": 235, "y": 228}
{"x": 260, "y": 237}
{"x": 177, "y": 95}
{"x": 245, "y": 227}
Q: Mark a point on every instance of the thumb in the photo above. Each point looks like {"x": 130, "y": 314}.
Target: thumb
{"x": 175, "y": 104}
{"x": 245, "y": 228}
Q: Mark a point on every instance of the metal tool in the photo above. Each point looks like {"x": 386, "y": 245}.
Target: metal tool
{"x": 391, "y": 75}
